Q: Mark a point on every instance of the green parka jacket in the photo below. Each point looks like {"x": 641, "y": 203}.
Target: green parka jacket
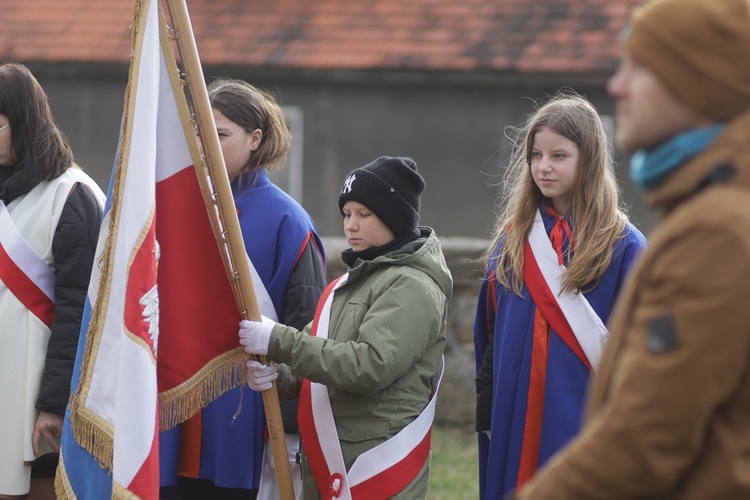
{"x": 385, "y": 343}
{"x": 669, "y": 410}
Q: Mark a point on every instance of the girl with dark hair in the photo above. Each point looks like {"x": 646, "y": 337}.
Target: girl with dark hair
{"x": 561, "y": 250}
{"x": 50, "y": 213}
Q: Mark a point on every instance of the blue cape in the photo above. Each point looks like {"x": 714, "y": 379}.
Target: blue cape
{"x": 566, "y": 380}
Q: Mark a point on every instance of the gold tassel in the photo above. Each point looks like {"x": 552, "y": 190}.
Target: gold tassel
{"x": 222, "y": 374}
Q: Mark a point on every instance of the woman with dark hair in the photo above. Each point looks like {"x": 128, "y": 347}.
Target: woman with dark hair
{"x": 50, "y": 213}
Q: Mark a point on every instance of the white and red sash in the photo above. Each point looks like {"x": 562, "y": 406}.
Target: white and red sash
{"x": 268, "y": 488}
{"x": 379, "y": 473}
{"x": 23, "y": 272}
{"x": 568, "y": 313}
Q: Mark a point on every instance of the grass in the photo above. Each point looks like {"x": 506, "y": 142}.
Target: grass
{"x": 453, "y": 473}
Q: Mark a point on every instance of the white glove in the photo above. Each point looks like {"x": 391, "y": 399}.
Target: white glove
{"x": 259, "y": 376}
{"x": 255, "y": 335}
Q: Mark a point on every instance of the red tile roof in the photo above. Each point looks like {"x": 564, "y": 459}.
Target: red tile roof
{"x": 569, "y": 36}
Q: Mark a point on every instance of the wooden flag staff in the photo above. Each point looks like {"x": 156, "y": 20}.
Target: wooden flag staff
{"x": 244, "y": 291}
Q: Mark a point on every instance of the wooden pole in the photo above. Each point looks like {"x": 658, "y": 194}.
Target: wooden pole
{"x": 247, "y": 301}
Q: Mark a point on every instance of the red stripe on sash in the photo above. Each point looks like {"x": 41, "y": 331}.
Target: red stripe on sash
{"x": 392, "y": 480}
{"x": 545, "y": 300}
{"x": 308, "y": 433}
{"x": 25, "y": 290}
{"x": 532, "y": 430}
{"x": 311, "y": 444}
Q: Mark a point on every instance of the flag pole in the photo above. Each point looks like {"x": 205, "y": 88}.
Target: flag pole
{"x": 235, "y": 244}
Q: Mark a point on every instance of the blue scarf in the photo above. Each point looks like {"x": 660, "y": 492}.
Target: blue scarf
{"x": 649, "y": 169}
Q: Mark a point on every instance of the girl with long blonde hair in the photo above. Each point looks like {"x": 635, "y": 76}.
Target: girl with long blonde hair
{"x": 561, "y": 249}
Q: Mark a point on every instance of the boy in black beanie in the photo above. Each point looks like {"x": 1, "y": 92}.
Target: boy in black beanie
{"x": 372, "y": 358}
{"x": 390, "y": 188}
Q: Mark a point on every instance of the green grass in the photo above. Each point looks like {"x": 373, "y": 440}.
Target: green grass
{"x": 453, "y": 472}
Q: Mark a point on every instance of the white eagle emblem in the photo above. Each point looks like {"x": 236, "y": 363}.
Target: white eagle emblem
{"x": 150, "y": 303}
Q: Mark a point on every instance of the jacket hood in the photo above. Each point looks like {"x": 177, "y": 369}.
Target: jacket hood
{"x": 424, "y": 253}
{"x": 731, "y": 147}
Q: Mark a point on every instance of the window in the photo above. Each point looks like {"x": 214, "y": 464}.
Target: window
{"x": 290, "y": 178}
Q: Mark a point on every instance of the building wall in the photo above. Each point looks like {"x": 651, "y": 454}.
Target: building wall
{"x": 453, "y": 128}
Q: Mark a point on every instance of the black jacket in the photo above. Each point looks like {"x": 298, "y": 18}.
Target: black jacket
{"x": 306, "y": 285}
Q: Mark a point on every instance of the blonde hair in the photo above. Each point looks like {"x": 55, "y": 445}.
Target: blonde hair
{"x": 594, "y": 206}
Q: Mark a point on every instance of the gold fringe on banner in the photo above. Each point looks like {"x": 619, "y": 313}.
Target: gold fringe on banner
{"x": 221, "y": 374}
{"x": 63, "y": 489}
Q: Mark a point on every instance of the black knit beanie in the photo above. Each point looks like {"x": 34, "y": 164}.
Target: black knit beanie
{"x": 391, "y": 188}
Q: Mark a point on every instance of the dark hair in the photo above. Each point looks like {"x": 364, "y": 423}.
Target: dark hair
{"x": 38, "y": 147}
{"x": 252, "y": 108}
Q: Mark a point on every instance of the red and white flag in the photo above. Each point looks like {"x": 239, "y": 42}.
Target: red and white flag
{"x": 159, "y": 339}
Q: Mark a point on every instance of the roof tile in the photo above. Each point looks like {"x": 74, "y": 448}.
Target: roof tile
{"x": 440, "y": 35}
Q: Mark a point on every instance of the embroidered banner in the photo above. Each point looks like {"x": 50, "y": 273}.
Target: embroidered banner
{"x": 159, "y": 338}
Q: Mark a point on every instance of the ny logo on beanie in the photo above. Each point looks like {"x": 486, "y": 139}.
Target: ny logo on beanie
{"x": 348, "y": 184}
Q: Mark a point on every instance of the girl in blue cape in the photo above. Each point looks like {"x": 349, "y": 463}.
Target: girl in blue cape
{"x": 219, "y": 453}
{"x": 561, "y": 251}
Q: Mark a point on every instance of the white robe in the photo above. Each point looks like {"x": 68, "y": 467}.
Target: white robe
{"x": 23, "y": 336}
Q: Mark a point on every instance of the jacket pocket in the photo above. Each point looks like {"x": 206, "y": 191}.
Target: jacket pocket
{"x": 356, "y": 430}
{"x": 360, "y": 435}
